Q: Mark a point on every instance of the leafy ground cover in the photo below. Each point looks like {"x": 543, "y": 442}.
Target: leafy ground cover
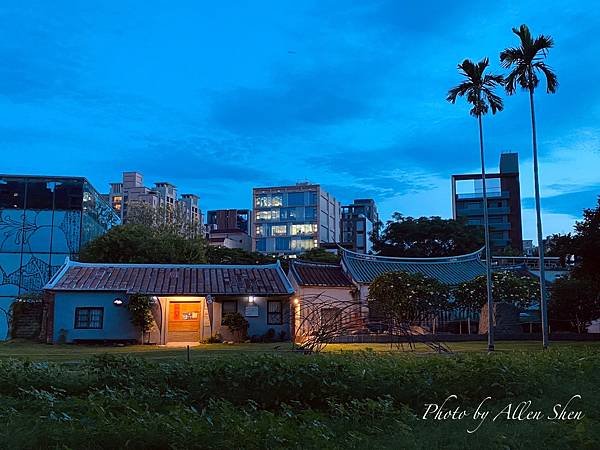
{"x": 264, "y": 399}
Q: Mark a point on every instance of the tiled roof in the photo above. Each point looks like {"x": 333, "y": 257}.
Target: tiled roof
{"x": 451, "y": 270}
{"x": 168, "y": 279}
{"x": 319, "y": 274}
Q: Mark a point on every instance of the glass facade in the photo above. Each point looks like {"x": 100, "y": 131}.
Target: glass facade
{"x": 288, "y": 219}
{"x": 42, "y": 221}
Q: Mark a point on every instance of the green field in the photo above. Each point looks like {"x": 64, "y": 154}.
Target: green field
{"x": 254, "y": 396}
{"x": 75, "y": 353}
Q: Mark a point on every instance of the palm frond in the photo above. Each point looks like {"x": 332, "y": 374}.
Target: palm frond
{"x": 526, "y": 61}
{"x": 477, "y": 88}
{"x": 551, "y": 79}
{"x": 510, "y": 56}
{"x": 543, "y": 43}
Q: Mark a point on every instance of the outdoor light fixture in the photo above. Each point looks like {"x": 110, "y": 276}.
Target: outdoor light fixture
{"x": 117, "y": 302}
{"x": 296, "y": 301}
{"x": 251, "y": 299}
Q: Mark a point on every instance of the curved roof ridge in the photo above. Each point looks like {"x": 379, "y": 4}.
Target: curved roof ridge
{"x": 399, "y": 259}
{"x": 313, "y": 263}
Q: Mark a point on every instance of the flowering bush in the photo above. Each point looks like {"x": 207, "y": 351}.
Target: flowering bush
{"x": 406, "y": 297}
{"x": 508, "y": 286}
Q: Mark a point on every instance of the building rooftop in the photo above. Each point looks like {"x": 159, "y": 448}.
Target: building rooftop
{"x": 309, "y": 273}
{"x": 451, "y": 270}
{"x": 172, "y": 279}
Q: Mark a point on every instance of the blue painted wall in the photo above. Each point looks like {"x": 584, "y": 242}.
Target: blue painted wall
{"x": 116, "y": 324}
{"x": 259, "y": 325}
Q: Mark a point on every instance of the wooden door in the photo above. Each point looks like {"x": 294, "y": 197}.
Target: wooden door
{"x": 184, "y": 321}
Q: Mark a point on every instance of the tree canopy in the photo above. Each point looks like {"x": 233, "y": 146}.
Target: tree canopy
{"x": 576, "y": 301}
{"x": 133, "y": 243}
{"x": 427, "y": 237}
{"x": 587, "y": 244}
{"x": 406, "y": 298}
{"x": 318, "y": 254}
{"x": 508, "y": 286}
{"x": 224, "y": 255}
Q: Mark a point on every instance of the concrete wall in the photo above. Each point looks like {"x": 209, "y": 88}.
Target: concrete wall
{"x": 116, "y": 324}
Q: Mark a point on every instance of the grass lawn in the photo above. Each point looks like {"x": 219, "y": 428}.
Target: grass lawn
{"x": 255, "y": 396}
{"x": 74, "y": 353}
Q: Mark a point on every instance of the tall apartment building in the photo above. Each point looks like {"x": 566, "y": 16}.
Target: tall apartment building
{"x": 131, "y": 190}
{"x": 43, "y": 220}
{"x": 293, "y": 219}
{"x": 356, "y": 224}
{"x": 504, "y": 202}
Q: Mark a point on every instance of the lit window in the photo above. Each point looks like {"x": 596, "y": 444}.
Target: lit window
{"x": 279, "y": 230}
{"x": 303, "y": 244}
{"x": 277, "y": 200}
{"x": 304, "y": 228}
{"x": 90, "y": 318}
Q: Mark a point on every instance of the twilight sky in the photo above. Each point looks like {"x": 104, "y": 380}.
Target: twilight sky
{"x": 218, "y": 97}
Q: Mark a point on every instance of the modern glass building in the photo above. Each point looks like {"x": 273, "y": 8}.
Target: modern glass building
{"x": 293, "y": 219}
{"x": 43, "y": 220}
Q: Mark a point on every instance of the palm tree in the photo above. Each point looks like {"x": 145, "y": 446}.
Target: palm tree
{"x": 478, "y": 89}
{"x": 526, "y": 63}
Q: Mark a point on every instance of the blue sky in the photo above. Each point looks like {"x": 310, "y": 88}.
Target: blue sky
{"x": 219, "y": 97}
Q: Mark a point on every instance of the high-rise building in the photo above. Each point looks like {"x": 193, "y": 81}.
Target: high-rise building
{"x": 163, "y": 195}
{"x": 229, "y": 219}
{"x": 504, "y": 202}
{"x": 43, "y": 220}
{"x": 356, "y": 224}
{"x": 293, "y": 219}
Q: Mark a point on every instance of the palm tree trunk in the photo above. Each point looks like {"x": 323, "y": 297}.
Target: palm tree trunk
{"x": 488, "y": 250}
{"x": 538, "y": 213}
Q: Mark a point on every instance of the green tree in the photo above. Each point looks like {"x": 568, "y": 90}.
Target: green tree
{"x": 318, "y": 254}
{"x": 427, "y": 237}
{"x": 405, "y": 298}
{"x": 587, "y": 244}
{"x": 224, "y": 255}
{"x": 526, "y": 63}
{"x": 144, "y": 245}
{"x": 478, "y": 89}
{"x": 574, "y": 300}
{"x": 140, "y": 308}
{"x": 509, "y": 286}
{"x": 560, "y": 245}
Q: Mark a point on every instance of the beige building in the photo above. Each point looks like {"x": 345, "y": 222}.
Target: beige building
{"x": 131, "y": 190}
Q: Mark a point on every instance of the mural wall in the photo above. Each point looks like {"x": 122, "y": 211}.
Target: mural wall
{"x": 43, "y": 221}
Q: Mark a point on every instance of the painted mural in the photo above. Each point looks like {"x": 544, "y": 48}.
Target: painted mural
{"x": 42, "y": 222}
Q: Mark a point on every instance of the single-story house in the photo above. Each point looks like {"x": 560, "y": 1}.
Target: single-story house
{"x": 88, "y": 301}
